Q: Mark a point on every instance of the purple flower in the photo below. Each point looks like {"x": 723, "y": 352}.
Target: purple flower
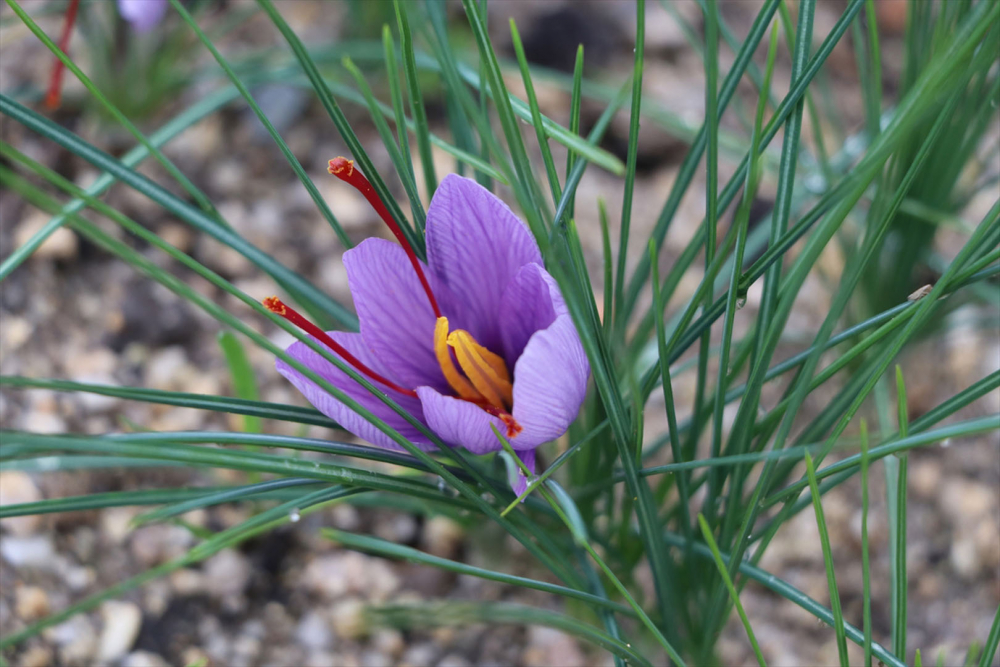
{"x": 143, "y": 15}
{"x": 503, "y": 353}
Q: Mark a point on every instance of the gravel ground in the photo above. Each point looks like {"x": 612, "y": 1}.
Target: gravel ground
{"x": 294, "y": 598}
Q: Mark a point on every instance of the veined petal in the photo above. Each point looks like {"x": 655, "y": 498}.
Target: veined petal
{"x": 476, "y": 245}
{"x": 397, "y": 321}
{"x": 334, "y": 409}
{"x": 550, "y": 382}
{"x": 460, "y": 423}
{"x": 531, "y": 302}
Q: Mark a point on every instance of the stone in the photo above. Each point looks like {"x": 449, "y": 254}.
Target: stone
{"x": 419, "y": 655}
{"x": 548, "y": 647}
{"x": 227, "y": 573}
{"x": 348, "y": 619}
{"x": 152, "y": 545}
{"x": 31, "y": 603}
{"x": 62, "y": 244}
{"x": 144, "y": 659}
{"x": 313, "y": 632}
{"x": 389, "y": 641}
{"x": 35, "y": 551}
{"x": 442, "y": 536}
{"x": 76, "y": 641}
{"x": 36, "y": 656}
{"x": 122, "y": 621}
{"x": 964, "y": 557}
{"x": 454, "y": 660}
{"x": 398, "y": 528}
{"x": 17, "y": 487}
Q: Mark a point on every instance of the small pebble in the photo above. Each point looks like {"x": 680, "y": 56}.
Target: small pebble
{"x": 31, "y": 603}
{"x": 348, "y": 619}
{"x": 227, "y": 573}
{"x": 313, "y": 632}
{"x": 122, "y": 621}
{"x": 17, "y": 487}
{"x": 36, "y": 656}
{"x": 62, "y": 244}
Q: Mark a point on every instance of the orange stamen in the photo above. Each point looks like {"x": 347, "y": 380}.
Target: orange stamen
{"x": 53, "y": 95}
{"x": 486, "y": 371}
{"x": 451, "y": 374}
{"x": 275, "y": 305}
{"x": 344, "y": 169}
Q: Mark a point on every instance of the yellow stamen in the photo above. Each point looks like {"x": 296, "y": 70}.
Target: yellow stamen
{"x": 486, "y": 371}
{"x": 451, "y": 374}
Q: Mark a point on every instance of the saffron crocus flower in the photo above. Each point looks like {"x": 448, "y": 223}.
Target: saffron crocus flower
{"x": 142, "y": 15}
{"x": 477, "y": 338}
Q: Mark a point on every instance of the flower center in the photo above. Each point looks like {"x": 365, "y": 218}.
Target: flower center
{"x": 485, "y": 379}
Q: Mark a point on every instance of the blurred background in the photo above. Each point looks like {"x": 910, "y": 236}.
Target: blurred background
{"x": 292, "y": 597}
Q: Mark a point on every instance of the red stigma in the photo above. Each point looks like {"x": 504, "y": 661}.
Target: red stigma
{"x": 275, "y": 305}
{"x": 344, "y": 169}
{"x": 513, "y": 428}
{"x": 53, "y": 95}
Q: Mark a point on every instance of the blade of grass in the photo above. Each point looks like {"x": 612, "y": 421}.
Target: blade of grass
{"x": 445, "y": 613}
{"x": 824, "y": 537}
{"x": 632, "y": 154}
{"x": 992, "y": 640}
{"x": 536, "y": 115}
{"x": 416, "y": 98}
{"x": 242, "y": 375}
{"x": 668, "y": 399}
{"x": 724, "y": 573}
{"x": 897, "y": 529}
{"x": 256, "y": 409}
{"x": 386, "y": 549}
{"x": 866, "y": 587}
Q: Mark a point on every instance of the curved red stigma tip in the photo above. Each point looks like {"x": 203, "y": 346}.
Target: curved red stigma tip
{"x": 276, "y": 306}
{"x": 337, "y": 166}
{"x": 344, "y": 169}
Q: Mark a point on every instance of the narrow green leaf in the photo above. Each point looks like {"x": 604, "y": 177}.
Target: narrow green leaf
{"x": 388, "y": 549}
{"x": 824, "y": 537}
{"x": 416, "y": 98}
{"x": 632, "y": 154}
{"x": 866, "y": 587}
{"x": 446, "y": 613}
{"x": 734, "y": 596}
{"x": 536, "y": 114}
{"x": 242, "y": 375}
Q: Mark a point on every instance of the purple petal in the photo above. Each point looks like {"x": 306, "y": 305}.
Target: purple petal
{"x": 397, "y": 321}
{"x": 476, "y": 245}
{"x": 550, "y": 382}
{"x": 460, "y": 423}
{"x": 520, "y": 482}
{"x": 339, "y": 412}
{"x": 143, "y": 15}
{"x": 531, "y": 302}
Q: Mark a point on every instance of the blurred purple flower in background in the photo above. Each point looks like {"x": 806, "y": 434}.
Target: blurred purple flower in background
{"x": 143, "y": 15}
{"x": 453, "y": 330}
